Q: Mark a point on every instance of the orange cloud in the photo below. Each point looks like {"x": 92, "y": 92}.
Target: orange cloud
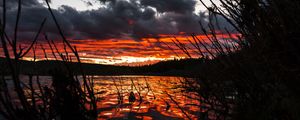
{"x": 126, "y": 51}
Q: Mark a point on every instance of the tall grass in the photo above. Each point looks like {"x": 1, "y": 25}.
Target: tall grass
{"x": 256, "y": 77}
{"x": 66, "y": 98}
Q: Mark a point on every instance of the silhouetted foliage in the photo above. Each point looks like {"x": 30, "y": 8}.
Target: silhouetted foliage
{"x": 66, "y": 98}
{"x": 259, "y": 79}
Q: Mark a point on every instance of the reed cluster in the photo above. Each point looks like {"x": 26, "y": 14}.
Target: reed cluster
{"x": 253, "y": 75}
{"x": 66, "y": 98}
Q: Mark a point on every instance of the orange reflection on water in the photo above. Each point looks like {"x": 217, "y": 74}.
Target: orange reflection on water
{"x": 154, "y": 102}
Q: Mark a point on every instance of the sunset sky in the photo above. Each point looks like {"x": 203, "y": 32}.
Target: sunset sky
{"x": 120, "y": 32}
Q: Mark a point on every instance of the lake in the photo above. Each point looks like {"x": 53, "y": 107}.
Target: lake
{"x": 156, "y": 97}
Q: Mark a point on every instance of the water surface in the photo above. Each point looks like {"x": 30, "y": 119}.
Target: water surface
{"x": 156, "y": 94}
{"x": 156, "y": 97}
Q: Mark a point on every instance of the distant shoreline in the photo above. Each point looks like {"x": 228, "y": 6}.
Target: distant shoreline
{"x": 178, "y": 68}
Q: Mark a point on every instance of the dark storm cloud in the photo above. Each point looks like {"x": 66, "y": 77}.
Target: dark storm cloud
{"x": 101, "y": 23}
{"x": 179, "y": 6}
{"x": 32, "y": 15}
{"x": 12, "y": 4}
{"x": 136, "y": 18}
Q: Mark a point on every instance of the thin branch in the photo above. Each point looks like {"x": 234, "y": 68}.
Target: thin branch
{"x": 14, "y": 42}
{"x": 178, "y": 106}
{"x": 35, "y": 39}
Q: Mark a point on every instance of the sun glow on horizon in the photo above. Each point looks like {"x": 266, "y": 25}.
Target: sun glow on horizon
{"x": 119, "y": 61}
{"x": 126, "y": 60}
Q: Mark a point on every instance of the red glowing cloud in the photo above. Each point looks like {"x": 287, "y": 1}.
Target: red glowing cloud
{"x": 126, "y": 51}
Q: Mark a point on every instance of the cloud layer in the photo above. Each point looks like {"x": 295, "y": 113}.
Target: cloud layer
{"x": 116, "y": 19}
{"x": 132, "y": 28}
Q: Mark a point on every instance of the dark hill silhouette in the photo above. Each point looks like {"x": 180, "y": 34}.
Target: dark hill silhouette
{"x": 183, "y": 67}
{"x": 176, "y": 67}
